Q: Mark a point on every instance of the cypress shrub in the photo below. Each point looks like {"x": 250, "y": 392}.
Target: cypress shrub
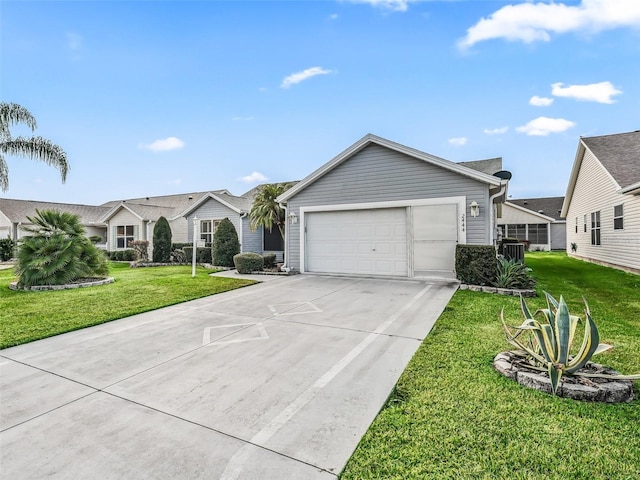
{"x": 269, "y": 260}
{"x": 476, "y": 264}
{"x": 162, "y": 241}
{"x": 225, "y": 244}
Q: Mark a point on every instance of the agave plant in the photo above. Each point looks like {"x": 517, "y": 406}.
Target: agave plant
{"x": 550, "y": 344}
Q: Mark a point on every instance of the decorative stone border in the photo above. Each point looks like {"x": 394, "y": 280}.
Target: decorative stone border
{"x": 92, "y": 283}
{"x": 578, "y": 388}
{"x": 499, "y": 291}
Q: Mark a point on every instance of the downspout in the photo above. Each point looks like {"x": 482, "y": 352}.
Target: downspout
{"x": 242, "y": 215}
{"x": 285, "y": 267}
{"x": 492, "y": 219}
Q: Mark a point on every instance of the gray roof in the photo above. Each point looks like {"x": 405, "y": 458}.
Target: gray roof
{"x": 489, "y": 166}
{"x": 549, "y": 206}
{"x": 18, "y": 210}
{"x": 619, "y": 154}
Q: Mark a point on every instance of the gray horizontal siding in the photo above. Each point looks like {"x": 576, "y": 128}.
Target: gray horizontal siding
{"x": 251, "y": 241}
{"x": 377, "y": 174}
{"x": 212, "y": 210}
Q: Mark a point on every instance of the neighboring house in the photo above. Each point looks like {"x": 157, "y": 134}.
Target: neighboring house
{"x": 14, "y": 213}
{"x": 602, "y": 204}
{"x": 381, "y": 208}
{"x": 536, "y": 221}
{"x": 120, "y": 221}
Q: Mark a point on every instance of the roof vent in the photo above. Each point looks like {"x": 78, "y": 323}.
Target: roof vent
{"x": 540, "y": 211}
{"x": 525, "y": 203}
{"x": 147, "y": 198}
{"x": 190, "y": 197}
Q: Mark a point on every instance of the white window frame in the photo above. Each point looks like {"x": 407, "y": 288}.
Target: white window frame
{"x": 596, "y": 226}
{"x": 125, "y": 237}
{"x": 207, "y": 236}
{"x": 619, "y": 217}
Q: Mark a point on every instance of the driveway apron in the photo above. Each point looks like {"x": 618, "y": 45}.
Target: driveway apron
{"x": 274, "y": 381}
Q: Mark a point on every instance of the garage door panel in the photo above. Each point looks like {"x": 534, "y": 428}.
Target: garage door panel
{"x": 431, "y": 256}
{"x": 371, "y": 242}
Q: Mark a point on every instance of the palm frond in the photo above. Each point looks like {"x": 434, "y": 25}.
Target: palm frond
{"x": 12, "y": 114}
{"x": 37, "y": 148}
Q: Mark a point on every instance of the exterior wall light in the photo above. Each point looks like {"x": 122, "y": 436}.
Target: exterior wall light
{"x": 293, "y": 218}
{"x": 474, "y": 209}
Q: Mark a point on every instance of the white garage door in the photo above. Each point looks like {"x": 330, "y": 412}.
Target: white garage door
{"x": 365, "y": 242}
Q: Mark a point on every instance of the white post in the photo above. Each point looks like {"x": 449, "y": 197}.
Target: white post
{"x": 195, "y": 246}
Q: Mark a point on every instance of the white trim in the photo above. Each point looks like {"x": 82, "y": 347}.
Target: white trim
{"x": 202, "y": 200}
{"x": 633, "y": 189}
{"x": 460, "y": 201}
{"x": 532, "y": 212}
{"x": 109, "y": 215}
{"x": 373, "y": 139}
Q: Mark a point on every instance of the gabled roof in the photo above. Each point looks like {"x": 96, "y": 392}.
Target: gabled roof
{"x": 489, "y": 166}
{"x": 619, "y": 154}
{"x": 550, "y": 207}
{"x": 370, "y": 139}
{"x": 229, "y": 201}
{"x": 18, "y": 210}
{"x": 143, "y": 212}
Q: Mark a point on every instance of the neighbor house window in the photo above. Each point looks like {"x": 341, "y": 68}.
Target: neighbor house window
{"x": 595, "y": 228}
{"x": 584, "y": 224}
{"x": 618, "y": 220}
{"x": 576, "y": 224}
{"x": 272, "y": 241}
{"x": 124, "y": 235}
{"x": 538, "y": 233}
{"x": 207, "y": 229}
{"x": 517, "y": 230}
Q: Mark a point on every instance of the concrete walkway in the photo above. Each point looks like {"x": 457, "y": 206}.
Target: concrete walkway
{"x": 275, "y": 381}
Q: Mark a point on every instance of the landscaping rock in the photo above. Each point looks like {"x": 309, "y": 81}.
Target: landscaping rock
{"x": 80, "y": 284}
{"x": 575, "y": 387}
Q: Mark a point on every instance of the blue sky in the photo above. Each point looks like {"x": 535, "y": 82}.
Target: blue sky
{"x": 158, "y": 97}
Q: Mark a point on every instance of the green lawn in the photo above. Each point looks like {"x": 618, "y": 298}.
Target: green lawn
{"x": 28, "y": 316}
{"x": 453, "y": 417}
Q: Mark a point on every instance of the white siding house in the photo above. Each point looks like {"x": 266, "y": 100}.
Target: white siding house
{"x": 602, "y": 204}
{"x": 535, "y": 221}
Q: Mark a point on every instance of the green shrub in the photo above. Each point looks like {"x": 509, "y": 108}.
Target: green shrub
{"x": 95, "y": 239}
{"x": 57, "y": 251}
{"x": 476, "y": 264}
{"x": 203, "y": 254}
{"x": 7, "y": 249}
{"x": 512, "y": 274}
{"x": 140, "y": 249}
{"x": 248, "y": 262}
{"x": 225, "y": 244}
{"x": 162, "y": 241}
{"x": 269, "y": 260}
{"x": 121, "y": 255}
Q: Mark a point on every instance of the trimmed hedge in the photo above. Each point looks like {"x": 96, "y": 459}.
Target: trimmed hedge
{"x": 476, "y": 264}
{"x": 248, "y": 262}
{"x": 203, "y": 254}
{"x": 162, "y": 241}
{"x": 7, "y": 249}
{"x": 269, "y": 260}
{"x": 121, "y": 255}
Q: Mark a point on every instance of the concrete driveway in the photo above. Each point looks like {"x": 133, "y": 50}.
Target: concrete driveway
{"x": 275, "y": 381}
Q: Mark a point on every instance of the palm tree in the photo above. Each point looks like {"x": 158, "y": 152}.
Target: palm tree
{"x": 37, "y": 148}
{"x": 265, "y": 211}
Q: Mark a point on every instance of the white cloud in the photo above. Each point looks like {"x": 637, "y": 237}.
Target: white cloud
{"x": 255, "y": 177}
{"x": 303, "y": 75}
{"x": 530, "y": 22}
{"x": 242, "y": 119}
{"x": 537, "y": 101}
{"x": 163, "y": 145}
{"x": 594, "y": 92}
{"x": 333, "y": 16}
{"x": 543, "y": 126}
{"x": 496, "y": 131}
{"x": 458, "y": 141}
{"x": 74, "y": 41}
{"x": 395, "y": 5}
{"x": 176, "y": 181}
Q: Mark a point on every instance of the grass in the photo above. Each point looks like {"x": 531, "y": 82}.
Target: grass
{"x": 452, "y": 416}
{"x": 28, "y": 316}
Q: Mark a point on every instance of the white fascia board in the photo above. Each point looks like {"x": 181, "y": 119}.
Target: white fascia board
{"x": 369, "y": 139}
{"x": 633, "y": 189}
{"x": 201, "y": 201}
{"x": 531, "y": 212}
{"x": 115, "y": 209}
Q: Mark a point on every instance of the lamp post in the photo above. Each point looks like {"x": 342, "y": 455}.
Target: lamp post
{"x": 195, "y": 246}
